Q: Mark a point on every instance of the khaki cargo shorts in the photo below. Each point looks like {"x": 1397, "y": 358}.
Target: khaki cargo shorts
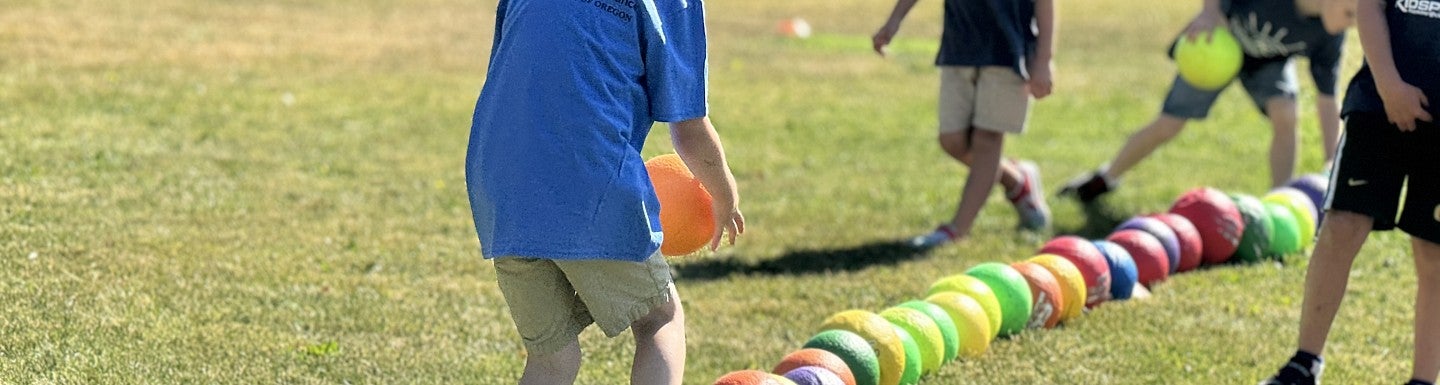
{"x": 551, "y": 301}
{"x": 990, "y": 98}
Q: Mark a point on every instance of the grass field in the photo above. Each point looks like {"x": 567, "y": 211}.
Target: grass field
{"x": 272, "y": 191}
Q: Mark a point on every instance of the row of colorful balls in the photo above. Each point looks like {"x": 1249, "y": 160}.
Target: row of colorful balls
{"x": 963, "y": 313}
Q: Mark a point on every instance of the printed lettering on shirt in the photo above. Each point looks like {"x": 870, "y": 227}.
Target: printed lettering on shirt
{"x": 620, "y": 9}
{"x": 1427, "y": 8}
{"x": 1263, "y": 39}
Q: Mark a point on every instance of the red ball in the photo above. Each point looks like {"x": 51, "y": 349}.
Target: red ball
{"x": 1189, "y": 237}
{"x": 1151, "y": 262}
{"x": 1088, "y": 259}
{"x": 1216, "y": 219}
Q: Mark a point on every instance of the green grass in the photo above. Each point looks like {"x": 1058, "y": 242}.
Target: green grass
{"x": 272, "y": 192}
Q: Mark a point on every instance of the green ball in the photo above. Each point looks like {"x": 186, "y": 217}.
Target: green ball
{"x": 1209, "y": 65}
{"x": 948, "y": 332}
{"x": 913, "y": 363}
{"x": 1286, "y": 237}
{"x": 852, "y": 349}
{"x": 1011, "y": 290}
{"x": 1255, "y": 239}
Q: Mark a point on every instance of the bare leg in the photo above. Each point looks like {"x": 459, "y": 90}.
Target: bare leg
{"x": 984, "y": 164}
{"x": 660, "y": 344}
{"x": 560, "y": 367}
{"x": 1341, "y": 236}
{"x": 957, "y": 145}
{"x": 1283, "y": 117}
{"x": 1142, "y": 143}
{"x": 1427, "y": 310}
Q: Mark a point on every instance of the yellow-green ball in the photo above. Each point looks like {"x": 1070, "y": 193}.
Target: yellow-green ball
{"x": 977, "y": 290}
{"x": 1209, "y": 65}
{"x": 923, "y": 330}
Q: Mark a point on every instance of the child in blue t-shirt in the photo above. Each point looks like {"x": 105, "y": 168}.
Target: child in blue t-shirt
{"x": 1388, "y": 155}
{"x": 992, "y": 62}
{"x": 1272, "y": 33}
{"x": 558, "y": 189}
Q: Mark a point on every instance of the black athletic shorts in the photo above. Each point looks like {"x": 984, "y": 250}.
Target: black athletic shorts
{"x": 1379, "y": 167}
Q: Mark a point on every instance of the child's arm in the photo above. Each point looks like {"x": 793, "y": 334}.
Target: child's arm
{"x": 1041, "y": 78}
{"x": 1403, "y": 102}
{"x": 887, "y": 32}
{"x": 699, "y": 146}
{"x": 1210, "y": 16}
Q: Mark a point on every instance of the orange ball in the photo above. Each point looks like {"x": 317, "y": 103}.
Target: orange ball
{"x": 819, "y": 358}
{"x": 686, "y": 214}
{"x": 752, "y": 377}
{"x": 1048, "y": 301}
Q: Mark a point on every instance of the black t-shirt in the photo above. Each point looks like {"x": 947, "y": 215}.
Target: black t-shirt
{"x": 988, "y": 33}
{"x": 1415, "y": 45}
{"x": 1275, "y": 30}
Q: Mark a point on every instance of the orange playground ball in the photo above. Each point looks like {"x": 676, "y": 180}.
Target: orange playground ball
{"x": 686, "y": 216}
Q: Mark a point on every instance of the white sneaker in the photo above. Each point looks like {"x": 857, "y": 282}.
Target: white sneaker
{"x": 1030, "y": 202}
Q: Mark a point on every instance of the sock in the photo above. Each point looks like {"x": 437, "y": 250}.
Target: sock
{"x": 1022, "y": 186}
{"x": 1418, "y": 382}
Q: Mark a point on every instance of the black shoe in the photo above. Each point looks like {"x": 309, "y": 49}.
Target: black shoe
{"x": 1087, "y": 188}
{"x": 1297, "y": 372}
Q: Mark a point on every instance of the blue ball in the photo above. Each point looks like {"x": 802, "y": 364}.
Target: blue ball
{"x": 1123, "y": 273}
{"x": 1162, "y": 232}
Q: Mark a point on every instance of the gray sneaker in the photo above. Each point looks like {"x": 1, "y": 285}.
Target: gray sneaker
{"x": 936, "y": 238}
{"x": 1030, "y": 203}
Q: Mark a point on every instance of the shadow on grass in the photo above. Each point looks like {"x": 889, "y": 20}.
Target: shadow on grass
{"x": 1100, "y": 221}
{"x": 811, "y": 261}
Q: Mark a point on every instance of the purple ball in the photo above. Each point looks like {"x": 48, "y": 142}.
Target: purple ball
{"x": 1161, "y": 231}
{"x": 814, "y": 375}
{"x": 1314, "y": 186}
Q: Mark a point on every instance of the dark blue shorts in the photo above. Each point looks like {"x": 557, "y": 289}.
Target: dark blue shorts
{"x": 1378, "y": 166}
{"x": 1262, "y": 80}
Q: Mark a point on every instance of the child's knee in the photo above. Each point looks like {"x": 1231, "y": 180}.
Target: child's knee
{"x": 987, "y": 139}
{"x": 662, "y": 315}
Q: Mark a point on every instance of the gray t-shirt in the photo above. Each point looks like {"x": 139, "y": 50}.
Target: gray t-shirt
{"x": 1275, "y": 30}
{"x": 988, "y": 33}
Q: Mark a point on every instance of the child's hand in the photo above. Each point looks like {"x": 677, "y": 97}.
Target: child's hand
{"x": 1040, "y": 82}
{"x": 1204, "y": 24}
{"x": 882, "y": 37}
{"x": 727, "y": 218}
{"x": 1404, "y": 104}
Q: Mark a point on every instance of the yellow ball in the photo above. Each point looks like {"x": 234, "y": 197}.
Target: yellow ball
{"x": 1209, "y": 65}
{"x": 971, "y": 321}
{"x": 881, "y": 336}
{"x": 923, "y": 330}
{"x": 1072, "y": 283}
{"x": 977, "y": 290}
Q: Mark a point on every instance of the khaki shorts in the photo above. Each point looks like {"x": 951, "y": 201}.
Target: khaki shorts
{"x": 988, "y": 98}
{"x": 551, "y": 301}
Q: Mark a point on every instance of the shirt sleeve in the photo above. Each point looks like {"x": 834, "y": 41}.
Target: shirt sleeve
{"x": 1325, "y": 64}
{"x": 676, "y": 74}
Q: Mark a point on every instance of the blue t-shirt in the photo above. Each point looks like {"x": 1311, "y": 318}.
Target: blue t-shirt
{"x": 1275, "y": 30}
{"x": 1414, "y": 45}
{"x": 988, "y": 33}
{"x": 554, "y": 167}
